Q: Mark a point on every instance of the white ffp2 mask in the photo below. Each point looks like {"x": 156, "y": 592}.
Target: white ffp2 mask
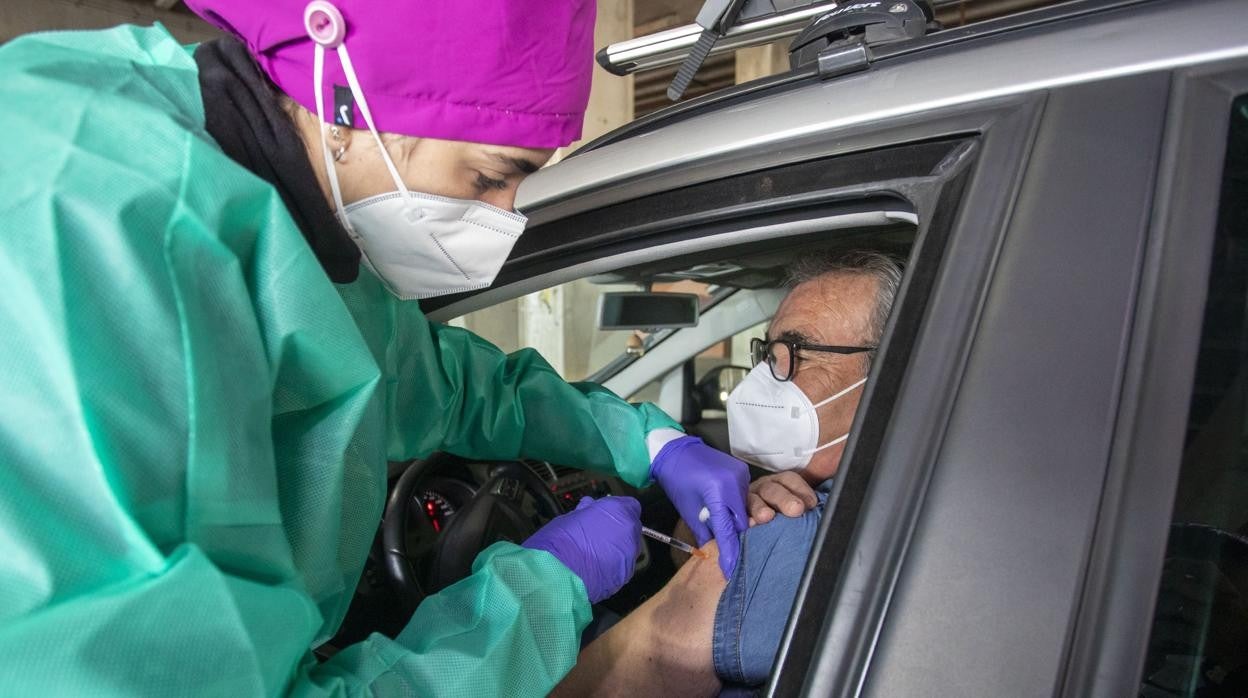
{"x": 419, "y": 245}
{"x": 772, "y": 423}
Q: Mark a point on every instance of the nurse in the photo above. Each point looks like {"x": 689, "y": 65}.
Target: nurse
{"x": 210, "y": 348}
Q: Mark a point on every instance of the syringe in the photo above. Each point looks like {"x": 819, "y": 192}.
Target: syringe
{"x": 674, "y": 542}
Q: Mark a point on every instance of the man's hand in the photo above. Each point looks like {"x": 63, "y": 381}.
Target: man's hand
{"x": 786, "y": 492}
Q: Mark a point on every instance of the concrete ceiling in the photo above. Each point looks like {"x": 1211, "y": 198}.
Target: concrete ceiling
{"x": 23, "y": 16}
{"x": 649, "y": 13}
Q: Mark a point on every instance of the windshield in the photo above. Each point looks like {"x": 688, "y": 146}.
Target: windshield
{"x": 642, "y": 342}
{"x": 561, "y": 323}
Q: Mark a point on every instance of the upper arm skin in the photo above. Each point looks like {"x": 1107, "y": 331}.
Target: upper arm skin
{"x": 663, "y": 647}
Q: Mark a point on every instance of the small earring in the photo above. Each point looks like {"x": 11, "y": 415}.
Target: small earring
{"x": 335, "y": 132}
{"x": 342, "y": 150}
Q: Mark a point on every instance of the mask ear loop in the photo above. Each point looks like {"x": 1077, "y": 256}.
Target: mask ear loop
{"x": 841, "y": 394}
{"x": 358, "y": 93}
{"x": 797, "y": 411}
{"x": 318, "y": 76}
{"x": 831, "y": 443}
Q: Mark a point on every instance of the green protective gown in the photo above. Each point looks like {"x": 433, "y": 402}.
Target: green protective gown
{"x": 195, "y": 423}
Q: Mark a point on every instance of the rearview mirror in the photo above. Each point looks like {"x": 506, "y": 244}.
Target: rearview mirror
{"x": 714, "y": 388}
{"x": 642, "y": 310}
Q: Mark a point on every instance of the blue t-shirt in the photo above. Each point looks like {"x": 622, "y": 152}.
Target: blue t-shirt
{"x": 755, "y": 605}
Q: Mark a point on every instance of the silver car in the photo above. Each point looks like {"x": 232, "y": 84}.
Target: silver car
{"x": 1046, "y": 490}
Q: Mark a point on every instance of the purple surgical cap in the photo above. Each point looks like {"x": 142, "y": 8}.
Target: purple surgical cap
{"x": 504, "y": 72}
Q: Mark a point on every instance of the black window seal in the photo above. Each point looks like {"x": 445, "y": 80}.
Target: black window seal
{"x": 872, "y": 177}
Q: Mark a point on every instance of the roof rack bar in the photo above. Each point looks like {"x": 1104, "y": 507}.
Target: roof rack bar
{"x": 668, "y": 48}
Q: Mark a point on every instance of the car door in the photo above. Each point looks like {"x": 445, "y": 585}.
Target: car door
{"x": 1006, "y": 500}
{"x": 1165, "y": 602}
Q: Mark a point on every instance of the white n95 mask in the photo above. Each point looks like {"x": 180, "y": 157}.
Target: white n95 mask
{"x": 772, "y": 423}
{"x": 419, "y": 245}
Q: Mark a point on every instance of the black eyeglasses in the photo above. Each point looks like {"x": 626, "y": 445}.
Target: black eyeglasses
{"x": 781, "y": 354}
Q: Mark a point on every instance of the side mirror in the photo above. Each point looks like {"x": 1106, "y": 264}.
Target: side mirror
{"x": 645, "y": 310}
{"x": 714, "y": 388}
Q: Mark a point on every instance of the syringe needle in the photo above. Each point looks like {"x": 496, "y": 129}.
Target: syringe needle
{"x": 674, "y": 542}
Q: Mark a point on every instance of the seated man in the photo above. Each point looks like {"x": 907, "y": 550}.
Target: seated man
{"x": 701, "y": 633}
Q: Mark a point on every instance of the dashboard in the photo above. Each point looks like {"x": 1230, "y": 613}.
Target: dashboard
{"x": 444, "y": 494}
{"x": 449, "y": 490}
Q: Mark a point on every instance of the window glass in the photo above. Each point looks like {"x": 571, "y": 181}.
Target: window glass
{"x": 716, "y": 371}
{"x": 1199, "y": 640}
{"x": 649, "y": 393}
{"x": 711, "y": 369}
{"x": 733, "y": 351}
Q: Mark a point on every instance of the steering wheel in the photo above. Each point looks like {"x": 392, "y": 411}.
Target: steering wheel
{"x": 493, "y": 514}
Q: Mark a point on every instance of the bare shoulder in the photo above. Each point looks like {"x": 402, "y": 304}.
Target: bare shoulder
{"x": 663, "y": 646}
{"x": 696, "y": 584}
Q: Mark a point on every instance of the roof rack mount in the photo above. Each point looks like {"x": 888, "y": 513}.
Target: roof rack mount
{"x": 729, "y": 25}
{"x": 716, "y": 17}
{"x": 840, "y": 41}
{"x": 758, "y": 22}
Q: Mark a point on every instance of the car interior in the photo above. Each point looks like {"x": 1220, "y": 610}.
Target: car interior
{"x": 443, "y": 510}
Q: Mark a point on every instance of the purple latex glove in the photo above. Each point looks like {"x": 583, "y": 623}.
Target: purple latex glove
{"x": 599, "y": 541}
{"x": 694, "y": 476}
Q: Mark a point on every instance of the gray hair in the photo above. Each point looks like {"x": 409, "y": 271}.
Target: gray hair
{"x": 886, "y": 270}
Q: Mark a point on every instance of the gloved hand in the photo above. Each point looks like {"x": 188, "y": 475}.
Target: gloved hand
{"x": 696, "y": 476}
{"x": 599, "y": 541}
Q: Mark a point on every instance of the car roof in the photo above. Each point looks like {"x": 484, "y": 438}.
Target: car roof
{"x": 1107, "y": 39}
